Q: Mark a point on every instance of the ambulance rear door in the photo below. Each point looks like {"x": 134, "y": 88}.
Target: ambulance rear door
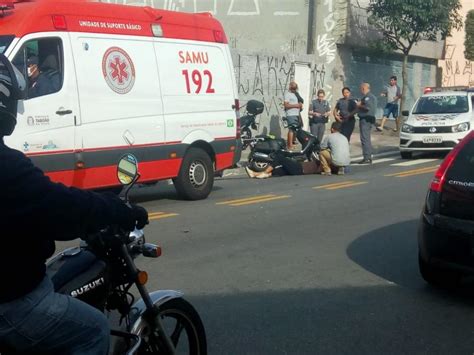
{"x": 46, "y": 119}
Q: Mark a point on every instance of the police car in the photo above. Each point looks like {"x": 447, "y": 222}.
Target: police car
{"x": 438, "y": 121}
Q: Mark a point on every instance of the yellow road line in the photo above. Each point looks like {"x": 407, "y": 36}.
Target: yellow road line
{"x": 160, "y": 216}
{"x": 347, "y": 185}
{"x": 414, "y": 171}
{"x": 260, "y": 200}
{"x": 155, "y": 214}
{"x": 244, "y": 199}
{"x": 417, "y": 173}
{"x": 334, "y": 184}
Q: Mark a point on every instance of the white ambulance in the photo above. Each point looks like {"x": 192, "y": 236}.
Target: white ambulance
{"x": 108, "y": 79}
{"x": 438, "y": 121}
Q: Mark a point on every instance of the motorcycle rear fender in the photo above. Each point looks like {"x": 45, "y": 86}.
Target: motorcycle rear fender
{"x": 158, "y": 298}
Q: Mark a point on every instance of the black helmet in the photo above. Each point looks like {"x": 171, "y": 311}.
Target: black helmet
{"x": 12, "y": 88}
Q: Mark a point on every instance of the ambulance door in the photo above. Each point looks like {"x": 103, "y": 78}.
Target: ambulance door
{"x": 46, "y": 118}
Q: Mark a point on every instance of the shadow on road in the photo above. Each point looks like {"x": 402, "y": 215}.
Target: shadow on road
{"x": 354, "y": 320}
{"x": 391, "y": 252}
{"x": 159, "y": 191}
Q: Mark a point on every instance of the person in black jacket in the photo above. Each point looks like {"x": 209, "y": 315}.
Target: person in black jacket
{"x": 34, "y": 213}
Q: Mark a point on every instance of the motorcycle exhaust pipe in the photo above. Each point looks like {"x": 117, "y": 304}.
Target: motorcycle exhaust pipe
{"x": 261, "y": 157}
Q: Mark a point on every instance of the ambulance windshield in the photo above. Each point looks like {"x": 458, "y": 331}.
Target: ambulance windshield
{"x": 5, "y": 42}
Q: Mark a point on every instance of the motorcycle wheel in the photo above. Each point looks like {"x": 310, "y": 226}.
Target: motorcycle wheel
{"x": 258, "y": 166}
{"x": 182, "y": 324}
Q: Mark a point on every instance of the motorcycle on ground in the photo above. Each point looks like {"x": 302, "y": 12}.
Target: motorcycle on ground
{"x": 102, "y": 271}
{"x": 263, "y": 147}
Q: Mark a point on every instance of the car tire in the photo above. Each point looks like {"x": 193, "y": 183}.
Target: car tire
{"x": 436, "y": 276}
{"x": 406, "y": 155}
{"x": 196, "y": 175}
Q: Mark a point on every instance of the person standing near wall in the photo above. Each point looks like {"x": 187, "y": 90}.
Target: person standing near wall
{"x": 393, "y": 95}
{"x": 319, "y": 111}
{"x": 344, "y": 112}
{"x": 366, "y": 107}
{"x": 292, "y": 109}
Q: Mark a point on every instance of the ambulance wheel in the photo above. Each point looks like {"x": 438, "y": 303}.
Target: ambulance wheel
{"x": 196, "y": 176}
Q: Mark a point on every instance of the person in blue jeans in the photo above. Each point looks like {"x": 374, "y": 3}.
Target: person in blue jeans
{"x": 393, "y": 95}
{"x": 35, "y": 212}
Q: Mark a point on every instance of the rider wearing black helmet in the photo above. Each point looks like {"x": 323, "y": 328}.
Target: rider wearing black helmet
{"x": 33, "y": 214}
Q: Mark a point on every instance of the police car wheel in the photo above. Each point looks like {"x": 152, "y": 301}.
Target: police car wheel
{"x": 196, "y": 176}
{"x": 406, "y": 155}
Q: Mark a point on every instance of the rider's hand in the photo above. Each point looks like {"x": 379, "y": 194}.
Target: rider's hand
{"x": 140, "y": 215}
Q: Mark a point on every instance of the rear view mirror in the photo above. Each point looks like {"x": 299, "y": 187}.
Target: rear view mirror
{"x": 127, "y": 170}
{"x": 405, "y": 113}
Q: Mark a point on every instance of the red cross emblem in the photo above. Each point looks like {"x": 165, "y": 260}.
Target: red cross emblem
{"x": 118, "y": 70}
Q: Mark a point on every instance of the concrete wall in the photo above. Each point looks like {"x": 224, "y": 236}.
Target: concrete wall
{"x": 456, "y": 70}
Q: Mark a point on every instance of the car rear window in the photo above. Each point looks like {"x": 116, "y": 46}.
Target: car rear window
{"x": 457, "y": 199}
{"x": 442, "y": 104}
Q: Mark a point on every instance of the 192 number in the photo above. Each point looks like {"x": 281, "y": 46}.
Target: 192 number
{"x": 198, "y": 80}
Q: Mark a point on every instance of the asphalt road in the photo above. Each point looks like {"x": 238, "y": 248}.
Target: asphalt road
{"x": 309, "y": 264}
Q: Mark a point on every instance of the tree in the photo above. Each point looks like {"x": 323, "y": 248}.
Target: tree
{"x": 469, "y": 41}
{"x": 404, "y": 23}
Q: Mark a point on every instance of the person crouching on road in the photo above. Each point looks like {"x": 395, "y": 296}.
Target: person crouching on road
{"x": 335, "y": 154}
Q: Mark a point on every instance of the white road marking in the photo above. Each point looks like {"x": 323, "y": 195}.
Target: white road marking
{"x": 414, "y": 162}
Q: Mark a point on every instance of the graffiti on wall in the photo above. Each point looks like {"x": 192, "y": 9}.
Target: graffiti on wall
{"x": 264, "y": 78}
{"x": 457, "y": 71}
{"x": 325, "y": 42}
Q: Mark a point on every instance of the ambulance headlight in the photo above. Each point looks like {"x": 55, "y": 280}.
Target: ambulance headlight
{"x": 462, "y": 127}
{"x": 406, "y": 128}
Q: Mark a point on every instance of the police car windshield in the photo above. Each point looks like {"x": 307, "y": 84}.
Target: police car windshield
{"x": 5, "y": 42}
{"x": 442, "y": 104}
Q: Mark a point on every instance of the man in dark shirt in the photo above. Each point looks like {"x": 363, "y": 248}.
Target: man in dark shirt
{"x": 41, "y": 83}
{"x": 366, "y": 106}
{"x": 34, "y": 213}
{"x": 344, "y": 112}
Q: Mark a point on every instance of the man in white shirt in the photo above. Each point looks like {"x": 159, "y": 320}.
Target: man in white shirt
{"x": 292, "y": 109}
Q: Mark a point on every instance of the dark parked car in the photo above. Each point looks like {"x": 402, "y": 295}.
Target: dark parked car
{"x": 446, "y": 231}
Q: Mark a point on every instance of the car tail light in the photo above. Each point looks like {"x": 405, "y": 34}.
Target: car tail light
{"x": 440, "y": 175}
{"x": 236, "y": 107}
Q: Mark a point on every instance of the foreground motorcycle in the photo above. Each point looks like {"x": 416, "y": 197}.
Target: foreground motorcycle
{"x": 248, "y": 121}
{"x": 102, "y": 271}
{"x": 263, "y": 147}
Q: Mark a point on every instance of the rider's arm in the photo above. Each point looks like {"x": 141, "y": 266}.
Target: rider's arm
{"x": 57, "y": 211}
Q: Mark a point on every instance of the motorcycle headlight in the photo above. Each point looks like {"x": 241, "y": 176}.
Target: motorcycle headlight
{"x": 406, "y": 128}
{"x": 462, "y": 127}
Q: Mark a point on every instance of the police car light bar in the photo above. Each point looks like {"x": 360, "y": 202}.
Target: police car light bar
{"x": 429, "y": 89}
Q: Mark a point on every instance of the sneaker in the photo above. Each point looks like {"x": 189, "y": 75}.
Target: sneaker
{"x": 340, "y": 171}
{"x": 263, "y": 175}
{"x": 365, "y": 161}
{"x": 379, "y": 129}
{"x": 327, "y": 173}
{"x": 250, "y": 172}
